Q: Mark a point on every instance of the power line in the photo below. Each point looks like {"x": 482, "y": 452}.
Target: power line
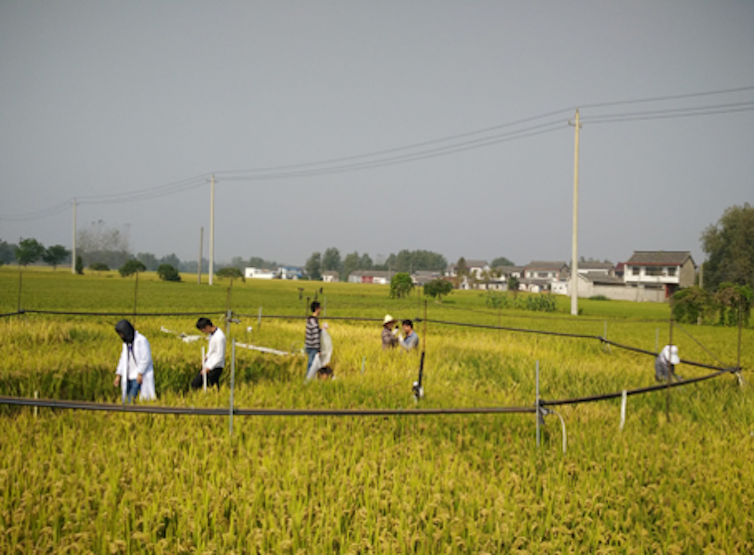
{"x": 671, "y": 113}
{"x": 416, "y": 151}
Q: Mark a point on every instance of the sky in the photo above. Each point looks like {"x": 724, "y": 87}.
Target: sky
{"x": 376, "y": 126}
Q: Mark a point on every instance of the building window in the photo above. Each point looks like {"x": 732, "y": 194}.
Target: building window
{"x": 635, "y": 270}
{"x": 671, "y": 271}
{"x": 654, "y": 270}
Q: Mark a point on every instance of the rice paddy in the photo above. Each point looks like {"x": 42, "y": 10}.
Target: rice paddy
{"x": 677, "y": 481}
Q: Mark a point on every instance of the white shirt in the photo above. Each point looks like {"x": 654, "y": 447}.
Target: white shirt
{"x": 216, "y": 351}
{"x": 137, "y": 361}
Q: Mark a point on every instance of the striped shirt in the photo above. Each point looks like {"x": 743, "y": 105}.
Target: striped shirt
{"x": 312, "y": 333}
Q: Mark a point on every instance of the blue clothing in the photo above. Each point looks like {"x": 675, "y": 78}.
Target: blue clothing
{"x": 311, "y": 353}
{"x": 132, "y": 390}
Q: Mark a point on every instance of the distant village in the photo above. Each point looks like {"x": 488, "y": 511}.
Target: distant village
{"x": 651, "y": 276}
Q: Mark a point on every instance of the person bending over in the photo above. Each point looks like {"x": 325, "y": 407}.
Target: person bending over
{"x": 214, "y": 362}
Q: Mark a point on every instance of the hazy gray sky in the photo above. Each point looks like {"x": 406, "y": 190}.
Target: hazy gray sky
{"x": 100, "y": 98}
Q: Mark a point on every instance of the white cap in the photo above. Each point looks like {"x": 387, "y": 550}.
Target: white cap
{"x": 670, "y": 353}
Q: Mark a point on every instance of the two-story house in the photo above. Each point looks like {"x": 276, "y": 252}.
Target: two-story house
{"x": 657, "y": 274}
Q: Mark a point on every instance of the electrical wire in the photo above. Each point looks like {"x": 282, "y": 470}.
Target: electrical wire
{"x": 417, "y": 151}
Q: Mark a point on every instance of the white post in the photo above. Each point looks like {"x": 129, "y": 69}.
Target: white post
{"x": 73, "y": 249}
{"x": 536, "y": 403}
{"x": 623, "y": 410}
{"x": 575, "y": 237}
{"x": 212, "y": 230}
{"x": 232, "y": 380}
{"x": 259, "y": 320}
{"x": 204, "y": 375}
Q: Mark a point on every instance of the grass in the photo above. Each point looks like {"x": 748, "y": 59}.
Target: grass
{"x": 125, "y": 483}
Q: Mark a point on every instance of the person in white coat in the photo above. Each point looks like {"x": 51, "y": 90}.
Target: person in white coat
{"x": 135, "y": 372}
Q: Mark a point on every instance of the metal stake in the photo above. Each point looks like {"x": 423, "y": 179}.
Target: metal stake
{"x": 232, "y": 380}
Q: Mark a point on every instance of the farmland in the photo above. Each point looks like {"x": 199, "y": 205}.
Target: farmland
{"x": 669, "y": 482}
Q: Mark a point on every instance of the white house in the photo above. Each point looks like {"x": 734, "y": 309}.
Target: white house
{"x": 379, "y": 277}
{"x": 330, "y": 276}
{"x": 656, "y": 275}
{"x": 258, "y": 273}
{"x": 290, "y": 272}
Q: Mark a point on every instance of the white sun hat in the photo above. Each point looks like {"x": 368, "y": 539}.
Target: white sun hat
{"x": 670, "y": 353}
{"x": 388, "y": 320}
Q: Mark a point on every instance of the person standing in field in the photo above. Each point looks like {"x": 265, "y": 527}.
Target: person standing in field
{"x": 665, "y": 364}
{"x": 312, "y": 340}
{"x": 135, "y": 371}
{"x": 389, "y": 335}
{"x": 214, "y": 362}
{"x": 411, "y": 340}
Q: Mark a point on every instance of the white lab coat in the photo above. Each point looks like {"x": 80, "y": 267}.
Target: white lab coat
{"x": 140, "y": 362}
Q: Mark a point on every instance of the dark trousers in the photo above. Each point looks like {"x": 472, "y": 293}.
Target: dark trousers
{"x": 213, "y": 378}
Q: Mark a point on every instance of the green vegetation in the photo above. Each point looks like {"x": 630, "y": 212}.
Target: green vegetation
{"x": 131, "y": 267}
{"x": 128, "y": 483}
{"x": 401, "y": 285}
{"x": 168, "y": 273}
{"x": 438, "y": 288}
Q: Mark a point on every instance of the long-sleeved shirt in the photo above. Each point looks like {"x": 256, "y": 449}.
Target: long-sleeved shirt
{"x": 410, "y": 342}
{"x": 312, "y": 340}
{"x": 216, "y": 351}
{"x": 389, "y": 339}
{"x": 136, "y": 359}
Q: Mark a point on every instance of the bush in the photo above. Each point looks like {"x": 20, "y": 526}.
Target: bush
{"x": 598, "y": 298}
{"x": 168, "y": 273}
{"x": 79, "y": 265}
{"x": 99, "y": 267}
{"x": 692, "y": 304}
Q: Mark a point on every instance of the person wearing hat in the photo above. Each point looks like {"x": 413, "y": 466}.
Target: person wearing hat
{"x": 135, "y": 372}
{"x": 665, "y": 364}
{"x": 389, "y": 332}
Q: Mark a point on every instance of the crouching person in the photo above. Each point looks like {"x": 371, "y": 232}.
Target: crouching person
{"x": 665, "y": 364}
{"x": 135, "y": 372}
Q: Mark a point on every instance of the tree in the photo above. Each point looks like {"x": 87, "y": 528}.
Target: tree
{"x": 7, "y": 252}
{"x": 501, "y": 261}
{"x": 54, "y": 255}
{"x": 331, "y": 260}
{"x": 729, "y": 245}
{"x": 461, "y": 268}
{"x": 168, "y": 273}
{"x": 131, "y": 267}
{"x": 734, "y": 302}
{"x": 230, "y": 272}
{"x": 401, "y": 285}
{"x": 438, "y": 288}
{"x": 313, "y": 266}
{"x": 29, "y": 251}
{"x": 79, "y": 265}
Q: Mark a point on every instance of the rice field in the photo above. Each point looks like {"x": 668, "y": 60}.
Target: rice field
{"x": 90, "y": 482}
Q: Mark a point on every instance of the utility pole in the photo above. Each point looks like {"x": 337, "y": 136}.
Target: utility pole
{"x": 212, "y": 230}
{"x": 73, "y": 249}
{"x": 575, "y": 238}
{"x": 199, "y": 267}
